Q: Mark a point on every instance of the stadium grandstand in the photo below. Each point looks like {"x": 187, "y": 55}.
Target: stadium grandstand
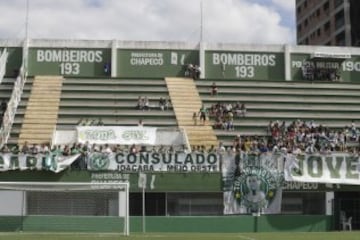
{"x": 234, "y": 138}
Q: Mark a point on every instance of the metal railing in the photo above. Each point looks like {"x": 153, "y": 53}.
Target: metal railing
{"x": 3, "y": 60}
{"x": 13, "y": 103}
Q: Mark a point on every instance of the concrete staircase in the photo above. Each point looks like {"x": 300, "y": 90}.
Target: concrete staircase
{"x": 41, "y": 111}
{"x": 186, "y": 100}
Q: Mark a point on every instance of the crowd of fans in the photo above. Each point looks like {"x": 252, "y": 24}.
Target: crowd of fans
{"x": 311, "y": 73}
{"x": 309, "y": 137}
{"x": 299, "y": 137}
{"x": 224, "y": 114}
{"x": 90, "y": 122}
{"x": 193, "y": 71}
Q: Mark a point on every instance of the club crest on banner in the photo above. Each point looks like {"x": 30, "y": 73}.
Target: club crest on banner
{"x": 99, "y": 161}
{"x": 253, "y": 184}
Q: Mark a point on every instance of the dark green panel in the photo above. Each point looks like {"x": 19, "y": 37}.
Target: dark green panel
{"x": 218, "y": 224}
{"x": 349, "y": 69}
{"x": 164, "y": 182}
{"x": 72, "y": 224}
{"x": 298, "y": 223}
{"x": 10, "y": 223}
{"x": 244, "y": 65}
{"x": 13, "y": 62}
{"x": 74, "y": 62}
{"x": 151, "y": 63}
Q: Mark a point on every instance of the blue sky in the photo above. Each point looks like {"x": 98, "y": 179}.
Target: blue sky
{"x": 238, "y": 21}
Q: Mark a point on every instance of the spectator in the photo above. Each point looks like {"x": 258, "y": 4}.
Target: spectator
{"x": 5, "y": 149}
{"x": 214, "y": 89}
{"x": 140, "y": 103}
{"x": 197, "y": 72}
{"x": 243, "y": 110}
{"x": 107, "y": 68}
{"x": 162, "y": 103}
{"x": 25, "y": 149}
{"x": 133, "y": 149}
{"x": 168, "y": 103}
{"x": 194, "y": 117}
{"x": 203, "y": 112}
{"x": 100, "y": 122}
{"x": 3, "y": 107}
{"x": 140, "y": 123}
{"x": 146, "y": 104}
{"x": 189, "y": 72}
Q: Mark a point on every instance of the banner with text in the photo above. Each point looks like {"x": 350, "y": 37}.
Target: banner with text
{"x": 252, "y": 183}
{"x": 54, "y": 163}
{"x": 244, "y": 65}
{"x": 337, "y": 168}
{"x": 117, "y": 135}
{"x": 74, "y": 62}
{"x": 153, "y": 162}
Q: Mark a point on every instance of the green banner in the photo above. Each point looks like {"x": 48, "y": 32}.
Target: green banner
{"x": 154, "y": 63}
{"x": 245, "y": 65}
{"x": 72, "y": 62}
{"x": 49, "y": 162}
{"x": 348, "y": 69}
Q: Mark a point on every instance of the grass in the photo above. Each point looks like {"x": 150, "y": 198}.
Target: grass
{"x": 183, "y": 236}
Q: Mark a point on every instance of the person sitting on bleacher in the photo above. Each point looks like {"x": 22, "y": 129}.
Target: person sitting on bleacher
{"x": 162, "y": 104}
{"x": 140, "y": 103}
{"x": 214, "y": 89}
{"x": 146, "y": 104}
{"x": 100, "y": 122}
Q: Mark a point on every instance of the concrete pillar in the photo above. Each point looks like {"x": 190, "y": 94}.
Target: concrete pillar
{"x": 114, "y": 59}
{"x": 287, "y": 62}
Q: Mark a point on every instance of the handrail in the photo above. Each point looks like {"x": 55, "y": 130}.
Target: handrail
{"x": 3, "y": 61}
{"x": 13, "y": 103}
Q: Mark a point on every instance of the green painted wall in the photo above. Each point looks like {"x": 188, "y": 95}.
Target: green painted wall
{"x": 349, "y": 69}
{"x": 244, "y": 65}
{"x": 71, "y": 62}
{"x": 217, "y": 224}
{"x": 164, "y": 182}
{"x": 14, "y": 61}
{"x": 154, "y": 63}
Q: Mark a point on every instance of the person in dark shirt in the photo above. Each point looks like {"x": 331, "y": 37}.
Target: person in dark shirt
{"x": 3, "y": 107}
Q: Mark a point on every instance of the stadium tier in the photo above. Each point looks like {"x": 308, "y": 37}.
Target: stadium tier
{"x": 196, "y": 131}
{"x": 333, "y": 105}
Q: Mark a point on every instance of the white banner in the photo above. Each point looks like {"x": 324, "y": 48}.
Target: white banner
{"x": 64, "y": 137}
{"x": 116, "y": 135}
{"x": 337, "y": 168}
{"x": 153, "y": 162}
{"x": 54, "y": 163}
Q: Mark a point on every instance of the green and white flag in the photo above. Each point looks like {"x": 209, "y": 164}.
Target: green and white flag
{"x": 252, "y": 183}
{"x": 50, "y": 162}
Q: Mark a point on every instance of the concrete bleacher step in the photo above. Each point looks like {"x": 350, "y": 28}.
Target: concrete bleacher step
{"x": 280, "y": 84}
{"x": 41, "y": 113}
{"x": 186, "y": 100}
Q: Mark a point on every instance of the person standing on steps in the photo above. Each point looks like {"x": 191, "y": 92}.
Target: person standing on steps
{"x": 203, "y": 112}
